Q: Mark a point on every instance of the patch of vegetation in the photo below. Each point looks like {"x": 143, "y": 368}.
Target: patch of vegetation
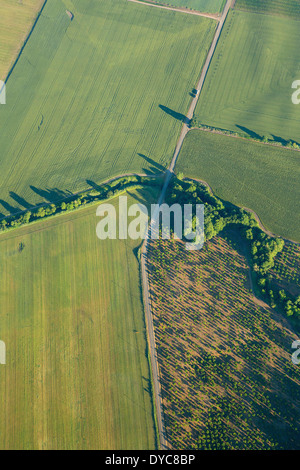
{"x": 248, "y": 174}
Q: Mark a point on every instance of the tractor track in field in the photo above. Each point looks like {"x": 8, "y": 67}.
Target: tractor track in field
{"x": 163, "y": 439}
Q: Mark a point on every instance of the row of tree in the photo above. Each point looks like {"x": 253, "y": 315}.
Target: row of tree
{"x": 72, "y": 202}
{"x": 195, "y": 122}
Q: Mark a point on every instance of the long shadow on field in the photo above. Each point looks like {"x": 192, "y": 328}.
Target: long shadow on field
{"x": 278, "y": 139}
{"x": 154, "y": 168}
{"x": 20, "y": 200}
{"x": 252, "y": 134}
{"x": 51, "y": 195}
{"x": 138, "y": 195}
{"x": 282, "y": 141}
{"x": 179, "y": 116}
{"x": 11, "y": 209}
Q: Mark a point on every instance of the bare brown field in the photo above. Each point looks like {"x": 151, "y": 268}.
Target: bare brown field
{"x": 228, "y": 381}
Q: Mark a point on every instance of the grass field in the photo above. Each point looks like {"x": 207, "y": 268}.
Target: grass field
{"x": 206, "y": 6}
{"x": 257, "y": 176}
{"x": 249, "y": 84}
{"x": 289, "y": 8}
{"x": 84, "y": 99}
{"x": 228, "y": 381}
{"x": 77, "y": 375}
{"x": 16, "y": 20}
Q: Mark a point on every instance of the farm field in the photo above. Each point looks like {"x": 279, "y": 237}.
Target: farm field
{"x": 249, "y": 84}
{"x": 77, "y": 374}
{"x": 97, "y": 97}
{"x": 16, "y": 20}
{"x": 206, "y": 6}
{"x": 278, "y": 7}
{"x": 228, "y": 381}
{"x": 253, "y": 175}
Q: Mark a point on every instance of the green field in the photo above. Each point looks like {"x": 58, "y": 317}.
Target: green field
{"x": 16, "y": 20}
{"x": 278, "y": 7}
{"x": 253, "y": 175}
{"x": 207, "y": 6}
{"x": 249, "y": 84}
{"x": 84, "y": 99}
{"x": 77, "y": 375}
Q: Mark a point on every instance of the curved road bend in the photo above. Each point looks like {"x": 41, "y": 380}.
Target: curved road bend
{"x": 146, "y": 294}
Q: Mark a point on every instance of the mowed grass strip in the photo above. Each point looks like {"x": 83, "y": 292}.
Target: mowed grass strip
{"x": 249, "y": 84}
{"x": 77, "y": 375}
{"x": 16, "y": 20}
{"x": 289, "y": 8}
{"x": 83, "y": 102}
{"x": 205, "y": 6}
{"x": 253, "y": 175}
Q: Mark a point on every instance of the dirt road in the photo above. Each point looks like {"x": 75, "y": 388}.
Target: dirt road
{"x": 146, "y": 294}
{"x": 180, "y": 10}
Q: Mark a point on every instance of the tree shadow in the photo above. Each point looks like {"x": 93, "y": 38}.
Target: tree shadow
{"x": 10, "y": 209}
{"x": 154, "y": 165}
{"x": 52, "y": 195}
{"x": 138, "y": 195}
{"x": 179, "y": 116}
{"x": 280, "y": 140}
{"x": 252, "y": 134}
{"x": 193, "y": 93}
{"x": 20, "y": 200}
{"x": 94, "y": 185}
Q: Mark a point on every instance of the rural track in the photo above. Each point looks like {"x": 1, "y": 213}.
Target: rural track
{"x": 144, "y": 269}
{"x": 180, "y": 10}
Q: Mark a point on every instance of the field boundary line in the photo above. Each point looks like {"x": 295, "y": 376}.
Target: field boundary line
{"x": 252, "y": 140}
{"x": 25, "y": 42}
{"x": 180, "y": 10}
